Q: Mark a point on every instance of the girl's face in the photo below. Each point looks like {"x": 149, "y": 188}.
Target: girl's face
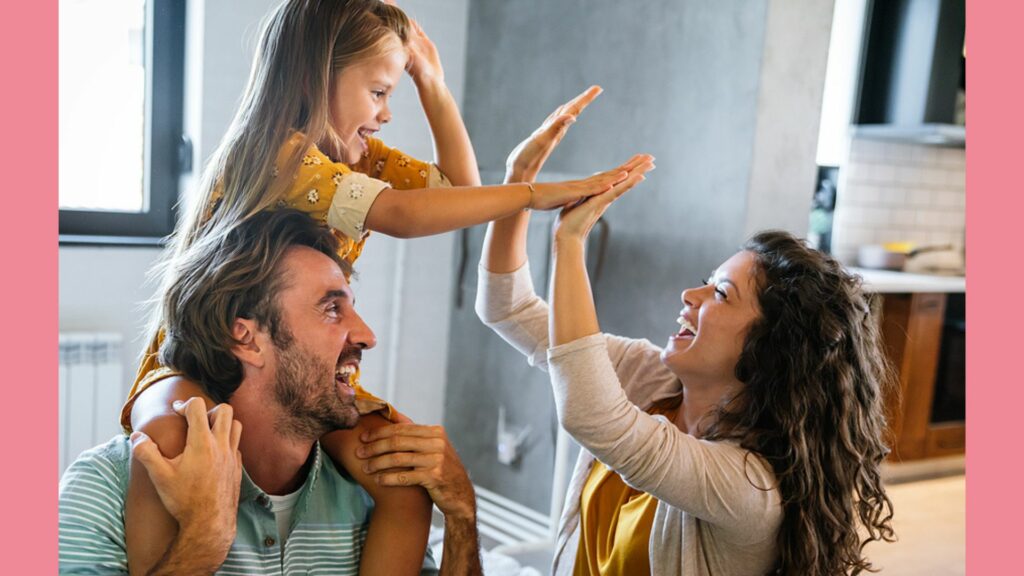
{"x": 714, "y": 323}
{"x": 359, "y": 100}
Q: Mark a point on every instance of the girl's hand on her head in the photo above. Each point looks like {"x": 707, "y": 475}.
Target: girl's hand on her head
{"x": 424, "y": 61}
{"x": 551, "y": 195}
{"x": 577, "y": 219}
{"x": 526, "y": 160}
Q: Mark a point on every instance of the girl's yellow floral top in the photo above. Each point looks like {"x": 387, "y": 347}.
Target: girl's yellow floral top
{"x": 338, "y": 195}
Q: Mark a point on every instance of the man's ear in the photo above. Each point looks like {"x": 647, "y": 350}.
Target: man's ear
{"x": 248, "y": 349}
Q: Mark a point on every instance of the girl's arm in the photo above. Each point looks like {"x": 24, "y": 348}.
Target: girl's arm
{"x": 150, "y": 530}
{"x": 453, "y": 151}
{"x": 412, "y": 213}
{"x": 428, "y": 211}
{"x": 397, "y": 537}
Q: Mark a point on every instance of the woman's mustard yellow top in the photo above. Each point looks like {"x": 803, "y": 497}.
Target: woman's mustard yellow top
{"x": 337, "y": 195}
{"x": 615, "y": 523}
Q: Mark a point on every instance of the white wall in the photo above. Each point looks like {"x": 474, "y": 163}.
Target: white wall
{"x": 783, "y": 173}
{"x": 404, "y": 288}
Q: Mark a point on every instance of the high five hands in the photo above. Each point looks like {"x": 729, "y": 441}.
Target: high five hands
{"x": 577, "y": 219}
{"x": 526, "y": 160}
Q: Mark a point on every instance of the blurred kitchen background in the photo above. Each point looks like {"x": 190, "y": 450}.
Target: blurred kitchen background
{"x": 840, "y": 121}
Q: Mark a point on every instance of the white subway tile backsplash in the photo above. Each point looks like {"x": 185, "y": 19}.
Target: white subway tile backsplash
{"x": 869, "y": 196}
{"x": 894, "y": 197}
{"x": 907, "y": 175}
{"x": 952, "y": 157}
{"x": 903, "y": 153}
{"x": 930, "y": 218}
{"x": 883, "y": 173}
{"x": 903, "y": 217}
{"x": 923, "y": 156}
{"x": 857, "y": 235}
{"x": 952, "y": 220}
{"x": 933, "y": 176}
{"x": 947, "y": 199}
{"x": 955, "y": 180}
{"x": 877, "y": 215}
{"x": 919, "y": 198}
{"x": 891, "y": 235}
{"x": 852, "y": 173}
{"x": 894, "y": 192}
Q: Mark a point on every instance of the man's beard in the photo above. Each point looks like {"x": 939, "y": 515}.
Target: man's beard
{"x": 307, "y": 392}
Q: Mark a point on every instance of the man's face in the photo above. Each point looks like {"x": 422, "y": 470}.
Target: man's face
{"x": 325, "y": 339}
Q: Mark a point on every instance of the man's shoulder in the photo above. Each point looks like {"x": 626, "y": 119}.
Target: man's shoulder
{"x": 352, "y": 504}
{"x": 91, "y": 526}
{"x": 106, "y": 463}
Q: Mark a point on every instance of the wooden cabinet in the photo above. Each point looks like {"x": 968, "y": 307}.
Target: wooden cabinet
{"x": 913, "y": 326}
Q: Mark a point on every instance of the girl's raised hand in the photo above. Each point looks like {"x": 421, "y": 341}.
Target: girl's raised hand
{"x": 424, "y": 61}
{"x": 576, "y": 220}
{"x": 526, "y": 160}
{"x": 551, "y": 195}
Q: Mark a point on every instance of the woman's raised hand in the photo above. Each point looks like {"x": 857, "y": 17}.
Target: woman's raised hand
{"x": 551, "y": 195}
{"x": 526, "y": 160}
{"x": 577, "y": 219}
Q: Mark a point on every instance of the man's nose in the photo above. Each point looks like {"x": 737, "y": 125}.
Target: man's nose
{"x": 361, "y": 335}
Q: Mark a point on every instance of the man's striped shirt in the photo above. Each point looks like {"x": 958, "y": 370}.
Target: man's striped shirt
{"x": 327, "y": 534}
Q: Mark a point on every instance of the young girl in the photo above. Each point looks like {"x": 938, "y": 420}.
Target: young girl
{"x": 302, "y": 138}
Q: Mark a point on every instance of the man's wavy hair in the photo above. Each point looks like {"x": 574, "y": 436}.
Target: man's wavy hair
{"x": 815, "y": 377}
{"x": 234, "y": 275}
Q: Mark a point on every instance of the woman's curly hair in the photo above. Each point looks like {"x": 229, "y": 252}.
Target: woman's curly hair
{"x": 813, "y": 406}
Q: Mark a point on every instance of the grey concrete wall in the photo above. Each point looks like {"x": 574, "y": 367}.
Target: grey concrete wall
{"x": 697, "y": 84}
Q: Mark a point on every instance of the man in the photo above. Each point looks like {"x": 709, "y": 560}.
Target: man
{"x": 283, "y": 362}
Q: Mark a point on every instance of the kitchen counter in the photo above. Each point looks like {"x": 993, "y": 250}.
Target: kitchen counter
{"x": 886, "y": 281}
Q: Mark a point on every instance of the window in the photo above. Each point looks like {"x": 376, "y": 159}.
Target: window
{"x": 121, "y": 83}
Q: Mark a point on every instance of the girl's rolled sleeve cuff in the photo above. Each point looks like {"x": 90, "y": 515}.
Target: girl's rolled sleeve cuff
{"x": 353, "y": 197}
{"x": 436, "y": 178}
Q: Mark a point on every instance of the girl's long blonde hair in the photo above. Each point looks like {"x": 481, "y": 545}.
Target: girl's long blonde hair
{"x": 303, "y": 45}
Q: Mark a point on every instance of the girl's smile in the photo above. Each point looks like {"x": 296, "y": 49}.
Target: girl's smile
{"x": 359, "y": 100}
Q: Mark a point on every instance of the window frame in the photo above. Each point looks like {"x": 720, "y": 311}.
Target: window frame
{"x": 166, "y": 149}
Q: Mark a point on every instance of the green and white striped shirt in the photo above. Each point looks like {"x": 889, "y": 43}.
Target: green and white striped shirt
{"x": 328, "y": 526}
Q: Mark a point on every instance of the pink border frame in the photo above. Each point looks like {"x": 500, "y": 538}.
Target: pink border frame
{"x": 28, "y": 49}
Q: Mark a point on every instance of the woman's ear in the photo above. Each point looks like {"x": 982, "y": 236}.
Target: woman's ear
{"x": 248, "y": 348}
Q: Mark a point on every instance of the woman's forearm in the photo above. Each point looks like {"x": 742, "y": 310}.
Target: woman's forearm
{"x": 573, "y": 314}
{"x": 453, "y": 150}
{"x": 505, "y": 242}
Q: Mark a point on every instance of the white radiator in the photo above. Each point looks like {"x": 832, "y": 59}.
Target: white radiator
{"x": 511, "y": 524}
{"x": 91, "y": 391}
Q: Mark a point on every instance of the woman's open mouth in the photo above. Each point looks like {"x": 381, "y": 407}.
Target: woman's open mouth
{"x": 688, "y": 329}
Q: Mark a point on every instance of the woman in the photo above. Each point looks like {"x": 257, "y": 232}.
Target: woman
{"x": 750, "y": 444}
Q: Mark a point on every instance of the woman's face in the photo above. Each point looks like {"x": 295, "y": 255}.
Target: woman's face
{"x": 359, "y": 100}
{"x": 714, "y": 323}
